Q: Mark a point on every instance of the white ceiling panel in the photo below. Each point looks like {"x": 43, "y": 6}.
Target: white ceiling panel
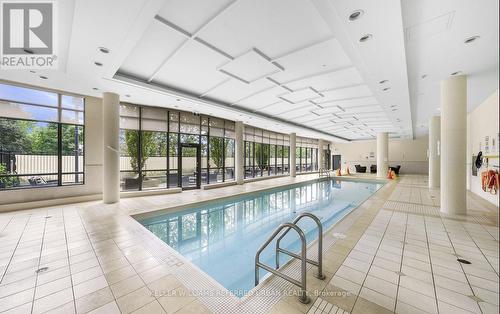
{"x": 157, "y": 43}
{"x": 360, "y": 109}
{"x": 234, "y": 90}
{"x": 263, "y": 98}
{"x": 301, "y": 95}
{"x": 345, "y": 93}
{"x": 275, "y": 27}
{"x": 179, "y": 71}
{"x": 249, "y": 67}
{"x": 324, "y": 56}
{"x": 327, "y": 81}
{"x": 190, "y": 15}
{"x": 284, "y": 108}
{"x": 291, "y": 115}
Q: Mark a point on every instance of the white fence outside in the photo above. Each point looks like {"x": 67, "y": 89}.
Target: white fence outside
{"x": 28, "y": 164}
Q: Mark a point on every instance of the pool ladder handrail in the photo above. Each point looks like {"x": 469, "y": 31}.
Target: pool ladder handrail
{"x": 324, "y": 172}
{"x": 303, "y": 298}
{"x": 319, "y": 262}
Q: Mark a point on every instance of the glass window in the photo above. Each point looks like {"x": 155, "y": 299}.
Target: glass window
{"x": 229, "y": 159}
{"x": 32, "y": 132}
{"x": 28, "y": 95}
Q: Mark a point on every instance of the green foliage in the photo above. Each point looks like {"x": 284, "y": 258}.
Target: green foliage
{"x": 28, "y": 137}
{"x": 13, "y": 135}
{"x": 7, "y": 182}
{"x": 152, "y": 144}
{"x": 217, "y": 151}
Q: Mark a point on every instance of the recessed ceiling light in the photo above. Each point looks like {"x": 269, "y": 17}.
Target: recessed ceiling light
{"x": 43, "y": 77}
{"x": 99, "y": 64}
{"x": 28, "y": 51}
{"x": 178, "y": 99}
{"x": 32, "y": 71}
{"x": 471, "y": 39}
{"x": 386, "y": 89}
{"x": 356, "y": 15}
{"x": 95, "y": 88}
{"x": 103, "y": 50}
{"x": 394, "y": 109}
{"x": 424, "y": 76}
{"x": 456, "y": 73}
{"x": 365, "y": 38}
{"x": 127, "y": 95}
{"x": 383, "y": 81}
{"x": 394, "y": 106}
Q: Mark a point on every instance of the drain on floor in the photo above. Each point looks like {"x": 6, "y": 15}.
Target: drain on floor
{"x": 463, "y": 261}
{"x": 41, "y": 270}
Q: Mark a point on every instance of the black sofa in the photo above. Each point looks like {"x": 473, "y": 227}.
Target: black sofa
{"x": 360, "y": 169}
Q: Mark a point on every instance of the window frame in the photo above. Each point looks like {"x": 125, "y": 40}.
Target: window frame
{"x": 59, "y": 107}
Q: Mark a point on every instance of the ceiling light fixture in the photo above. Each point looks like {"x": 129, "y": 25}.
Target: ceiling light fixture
{"x": 386, "y": 89}
{"x": 456, "y": 73}
{"x": 356, "y": 15}
{"x": 99, "y": 64}
{"x": 365, "y": 38}
{"x": 103, "y": 50}
{"x": 471, "y": 39}
{"x": 127, "y": 95}
{"x": 32, "y": 71}
{"x": 43, "y": 77}
{"x": 424, "y": 76}
{"x": 383, "y": 81}
{"x": 95, "y": 88}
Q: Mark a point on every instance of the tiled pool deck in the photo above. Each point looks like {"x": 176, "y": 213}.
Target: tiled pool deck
{"x": 394, "y": 253}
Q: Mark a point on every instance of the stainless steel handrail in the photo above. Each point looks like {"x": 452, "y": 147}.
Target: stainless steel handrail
{"x": 324, "y": 172}
{"x": 303, "y": 298}
{"x": 319, "y": 262}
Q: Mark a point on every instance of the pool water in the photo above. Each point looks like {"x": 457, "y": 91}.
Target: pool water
{"x": 222, "y": 238}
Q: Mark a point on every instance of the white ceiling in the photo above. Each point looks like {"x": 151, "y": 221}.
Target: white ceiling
{"x": 285, "y": 65}
{"x": 435, "y": 33}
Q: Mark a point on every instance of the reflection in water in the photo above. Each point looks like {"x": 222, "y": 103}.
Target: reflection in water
{"x": 222, "y": 238}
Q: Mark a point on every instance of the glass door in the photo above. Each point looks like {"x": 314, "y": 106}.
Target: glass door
{"x": 190, "y": 163}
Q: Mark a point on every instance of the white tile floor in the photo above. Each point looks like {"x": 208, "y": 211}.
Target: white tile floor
{"x": 407, "y": 258}
{"x": 93, "y": 258}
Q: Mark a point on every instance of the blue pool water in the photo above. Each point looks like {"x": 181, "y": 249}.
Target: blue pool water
{"x": 221, "y": 238}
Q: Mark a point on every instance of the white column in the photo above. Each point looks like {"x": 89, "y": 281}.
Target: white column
{"x": 321, "y": 153}
{"x": 239, "y": 152}
{"x": 111, "y": 141}
{"x": 382, "y": 154}
{"x": 434, "y": 157}
{"x": 453, "y": 145}
{"x": 292, "y": 157}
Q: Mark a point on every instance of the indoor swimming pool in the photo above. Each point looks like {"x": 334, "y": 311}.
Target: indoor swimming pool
{"x": 222, "y": 237}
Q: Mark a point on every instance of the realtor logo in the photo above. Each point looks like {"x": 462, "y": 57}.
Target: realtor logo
{"x": 28, "y": 35}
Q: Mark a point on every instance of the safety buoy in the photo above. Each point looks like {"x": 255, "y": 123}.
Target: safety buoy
{"x": 489, "y": 181}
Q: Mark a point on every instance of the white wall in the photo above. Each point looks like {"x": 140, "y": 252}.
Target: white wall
{"x": 482, "y": 122}
{"x": 93, "y": 167}
{"x": 410, "y": 154}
